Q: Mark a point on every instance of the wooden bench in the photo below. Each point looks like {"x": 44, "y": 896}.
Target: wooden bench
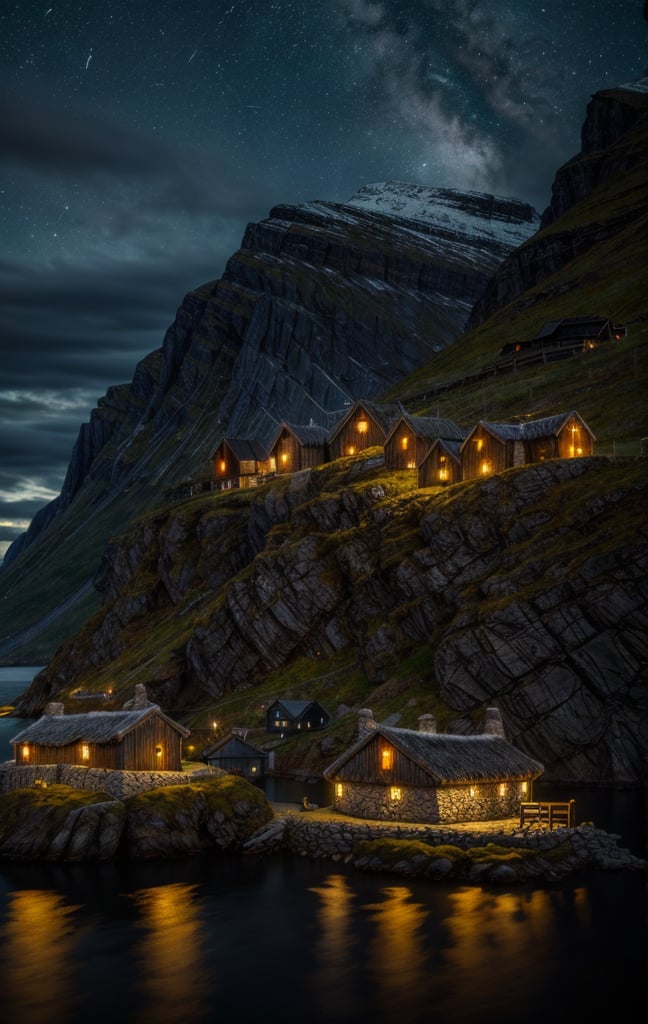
{"x": 551, "y": 813}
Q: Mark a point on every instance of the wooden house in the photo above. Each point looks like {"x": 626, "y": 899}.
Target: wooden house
{"x": 441, "y": 465}
{"x": 139, "y": 739}
{"x": 287, "y": 717}
{"x": 236, "y": 756}
{"x": 298, "y": 447}
{"x": 493, "y": 447}
{"x": 411, "y": 437}
{"x": 240, "y": 462}
{"x": 365, "y": 425}
{"x": 420, "y": 775}
{"x": 559, "y": 339}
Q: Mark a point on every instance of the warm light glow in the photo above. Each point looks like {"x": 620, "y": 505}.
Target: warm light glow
{"x": 351, "y": 450}
{"x": 25, "y": 752}
{"x": 404, "y": 442}
{"x": 339, "y": 789}
{"x": 284, "y": 458}
{"x": 501, "y": 789}
{"x": 395, "y": 793}
{"x": 222, "y": 465}
{"x": 214, "y": 725}
{"x": 524, "y": 788}
{"x": 411, "y": 464}
{"x": 443, "y": 474}
{"x": 363, "y": 426}
{"x": 253, "y": 769}
{"x": 473, "y": 791}
{"x": 386, "y": 758}
{"x": 485, "y": 467}
{"x": 158, "y": 751}
{"x": 85, "y": 752}
{"x": 480, "y": 443}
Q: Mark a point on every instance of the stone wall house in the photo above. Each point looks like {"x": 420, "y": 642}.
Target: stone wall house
{"x": 140, "y": 737}
{"x": 392, "y": 774}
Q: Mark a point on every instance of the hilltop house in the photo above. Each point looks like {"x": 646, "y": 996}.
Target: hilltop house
{"x": 409, "y": 440}
{"x": 365, "y": 425}
{"x": 441, "y": 465}
{"x": 298, "y": 447}
{"x": 236, "y": 756}
{"x": 560, "y": 338}
{"x": 138, "y": 738}
{"x": 240, "y": 462}
{"x": 492, "y": 447}
{"x": 286, "y": 717}
{"x": 408, "y": 775}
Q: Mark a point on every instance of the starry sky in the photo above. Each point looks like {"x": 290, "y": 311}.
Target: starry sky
{"x": 138, "y": 139}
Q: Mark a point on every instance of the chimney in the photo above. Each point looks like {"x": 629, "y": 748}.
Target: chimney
{"x": 139, "y": 701}
{"x": 427, "y": 723}
{"x": 493, "y": 725}
{"x": 365, "y": 721}
{"x": 54, "y": 708}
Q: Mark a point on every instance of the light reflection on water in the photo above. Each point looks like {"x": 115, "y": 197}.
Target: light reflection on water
{"x": 329, "y": 947}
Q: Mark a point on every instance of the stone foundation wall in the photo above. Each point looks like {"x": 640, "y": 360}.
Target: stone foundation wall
{"x": 445, "y": 805}
{"x": 118, "y": 784}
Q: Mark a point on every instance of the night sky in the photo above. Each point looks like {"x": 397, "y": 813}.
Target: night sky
{"x": 138, "y": 139}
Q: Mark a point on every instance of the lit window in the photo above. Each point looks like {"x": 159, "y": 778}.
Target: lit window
{"x": 443, "y": 473}
{"x": 363, "y": 426}
{"x": 386, "y": 759}
{"x": 524, "y": 788}
{"x": 411, "y": 464}
{"x": 351, "y": 450}
{"x": 404, "y": 442}
{"x": 25, "y": 752}
{"x": 501, "y": 789}
{"x": 485, "y": 467}
{"x": 85, "y": 752}
{"x": 284, "y": 458}
{"x": 158, "y": 751}
{"x": 395, "y": 792}
{"x": 339, "y": 789}
{"x": 254, "y": 769}
{"x": 222, "y": 465}
{"x": 480, "y": 443}
{"x": 474, "y": 791}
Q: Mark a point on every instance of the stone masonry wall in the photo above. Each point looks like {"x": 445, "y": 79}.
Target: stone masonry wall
{"x": 444, "y": 805}
{"x": 119, "y": 784}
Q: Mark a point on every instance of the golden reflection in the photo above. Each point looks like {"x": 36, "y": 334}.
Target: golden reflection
{"x": 38, "y": 953}
{"x": 489, "y": 935}
{"x": 399, "y": 954}
{"x": 173, "y": 978}
{"x": 336, "y": 967}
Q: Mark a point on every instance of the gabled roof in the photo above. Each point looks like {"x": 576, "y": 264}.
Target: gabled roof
{"x": 453, "y": 448}
{"x": 233, "y": 746}
{"x": 295, "y": 708}
{"x": 310, "y": 436}
{"x": 573, "y": 326}
{"x": 551, "y": 425}
{"x": 446, "y": 758}
{"x": 92, "y": 727}
{"x": 244, "y": 449}
{"x": 431, "y": 427}
{"x": 384, "y": 415}
{"x": 501, "y": 431}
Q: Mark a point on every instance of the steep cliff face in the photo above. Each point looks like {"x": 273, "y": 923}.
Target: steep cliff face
{"x": 598, "y": 195}
{"x": 527, "y": 590}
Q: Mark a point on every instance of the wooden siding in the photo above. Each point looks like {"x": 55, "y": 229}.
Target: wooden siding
{"x": 290, "y": 456}
{"x": 352, "y": 439}
{"x": 366, "y": 767}
{"x": 405, "y": 450}
{"x": 246, "y": 767}
{"x": 135, "y": 752}
{"x": 484, "y": 454}
{"x": 574, "y": 440}
{"x": 439, "y": 468}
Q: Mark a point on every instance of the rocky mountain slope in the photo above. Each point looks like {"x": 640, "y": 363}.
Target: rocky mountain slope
{"x": 323, "y": 304}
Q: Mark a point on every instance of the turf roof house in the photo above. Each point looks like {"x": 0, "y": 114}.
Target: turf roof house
{"x": 493, "y": 447}
{"x": 287, "y": 717}
{"x": 240, "y": 462}
{"x": 140, "y": 737}
{"x": 365, "y": 425}
{"x": 560, "y": 338}
{"x": 298, "y": 447}
{"x": 411, "y": 437}
{"x": 408, "y": 775}
{"x": 441, "y": 465}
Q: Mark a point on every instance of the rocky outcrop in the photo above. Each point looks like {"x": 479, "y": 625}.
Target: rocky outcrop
{"x": 581, "y": 214}
{"x": 528, "y": 589}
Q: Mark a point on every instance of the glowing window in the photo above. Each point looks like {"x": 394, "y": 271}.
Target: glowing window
{"x": 395, "y": 792}
{"x": 222, "y": 465}
{"x": 474, "y": 791}
{"x": 411, "y": 464}
{"x": 524, "y": 788}
{"x": 85, "y": 752}
{"x": 284, "y": 458}
{"x": 501, "y": 789}
{"x": 363, "y": 426}
{"x": 404, "y": 441}
{"x": 158, "y": 751}
{"x": 339, "y": 789}
{"x": 485, "y": 467}
{"x": 386, "y": 759}
{"x": 351, "y": 450}
{"x": 254, "y": 769}
{"x": 25, "y": 752}
{"x": 480, "y": 443}
{"x": 443, "y": 473}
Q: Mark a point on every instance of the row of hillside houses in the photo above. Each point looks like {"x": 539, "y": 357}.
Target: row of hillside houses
{"x": 437, "y": 449}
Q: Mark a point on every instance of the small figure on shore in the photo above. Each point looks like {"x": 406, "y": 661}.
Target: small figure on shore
{"x": 308, "y": 806}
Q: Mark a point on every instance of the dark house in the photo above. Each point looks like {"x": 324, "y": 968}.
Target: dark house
{"x": 441, "y": 465}
{"x": 411, "y": 437}
{"x": 558, "y": 339}
{"x": 298, "y": 447}
{"x": 493, "y": 447}
{"x": 365, "y": 425}
{"x": 141, "y": 739}
{"x": 408, "y": 775}
{"x": 240, "y": 462}
{"x": 286, "y": 717}
{"x": 237, "y": 757}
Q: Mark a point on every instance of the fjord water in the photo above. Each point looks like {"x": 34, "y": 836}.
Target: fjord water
{"x": 238, "y": 939}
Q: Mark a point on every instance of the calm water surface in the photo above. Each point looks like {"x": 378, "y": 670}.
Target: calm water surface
{"x": 214, "y": 940}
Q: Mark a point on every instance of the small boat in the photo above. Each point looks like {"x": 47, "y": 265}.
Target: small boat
{"x": 5, "y": 709}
